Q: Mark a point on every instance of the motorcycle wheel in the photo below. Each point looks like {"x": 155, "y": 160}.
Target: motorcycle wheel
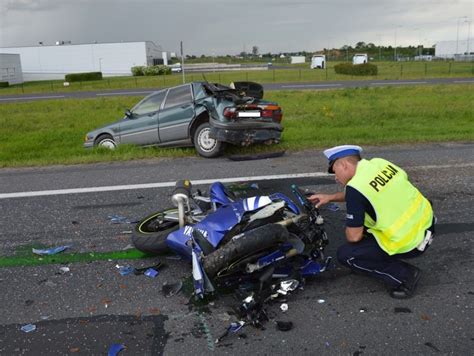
{"x": 244, "y": 249}
{"x": 151, "y": 232}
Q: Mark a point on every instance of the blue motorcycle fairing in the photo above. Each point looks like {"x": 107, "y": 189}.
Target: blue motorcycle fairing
{"x": 219, "y": 194}
{"x": 217, "y": 224}
{"x": 292, "y": 206}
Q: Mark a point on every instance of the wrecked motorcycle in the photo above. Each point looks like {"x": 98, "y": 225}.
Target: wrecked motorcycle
{"x": 230, "y": 239}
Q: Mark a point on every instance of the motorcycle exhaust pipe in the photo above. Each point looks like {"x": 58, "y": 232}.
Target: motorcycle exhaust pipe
{"x": 292, "y": 220}
{"x": 180, "y": 199}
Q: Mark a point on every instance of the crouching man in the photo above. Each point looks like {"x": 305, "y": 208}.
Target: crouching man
{"x": 388, "y": 219}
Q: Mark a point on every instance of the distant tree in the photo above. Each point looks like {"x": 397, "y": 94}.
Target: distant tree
{"x": 360, "y": 45}
{"x": 370, "y": 45}
{"x": 255, "y": 50}
{"x": 243, "y": 54}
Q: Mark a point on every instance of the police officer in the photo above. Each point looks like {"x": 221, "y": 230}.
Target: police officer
{"x": 388, "y": 219}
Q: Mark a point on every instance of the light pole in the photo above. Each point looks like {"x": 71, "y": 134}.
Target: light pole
{"x": 380, "y": 48}
{"x": 457, "y": 35}
{"x": 100, "y": 64}
{"x": 468, "y": 35}
{"x": 395, "y": 50}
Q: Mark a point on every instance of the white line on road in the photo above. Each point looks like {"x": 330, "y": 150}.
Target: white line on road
{"x": 311, "y": 85}
{"x": 398, "y": 83}
{"x": 126, "y": 93}
{"x": 195, "y": 182}
{"x": 34, "y": 97}
{"x": 463, "y": 81}
{"x": 153, "y": 185}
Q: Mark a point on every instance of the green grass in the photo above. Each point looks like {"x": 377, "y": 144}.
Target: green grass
{"x": 299, "y": 73}
{"x": 52, "y": 132}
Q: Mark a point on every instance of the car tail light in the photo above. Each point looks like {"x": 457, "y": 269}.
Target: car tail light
{"x": 230, "y": 113}
{"x": 267, "y": 113}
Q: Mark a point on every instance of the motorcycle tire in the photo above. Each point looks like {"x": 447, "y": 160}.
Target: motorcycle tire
{"x": 150, "y": 233}
{"x": 250, "y": 244}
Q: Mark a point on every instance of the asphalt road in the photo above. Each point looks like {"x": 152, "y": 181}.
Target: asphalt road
{"x": 86, "y": 310}
{"x": 269, "y": 86}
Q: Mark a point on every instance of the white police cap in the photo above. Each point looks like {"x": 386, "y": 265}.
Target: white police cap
{"x": 332, "y": 154}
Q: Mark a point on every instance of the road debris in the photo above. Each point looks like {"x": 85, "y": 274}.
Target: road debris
{"x": 232, "y": 329}
{"x": 151, "y": 272}
{"x": 284, "y": 307}
{"x": 28, "y": 328}
{"x": 50, "y": 251}
{"x": 125, "y": 270}
{"x": 284, "y": 325}
{"x": 170, "y": 289}
{"x": 115, "y": 349}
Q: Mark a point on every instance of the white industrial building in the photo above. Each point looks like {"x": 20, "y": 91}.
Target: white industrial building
{"x": 10, "y": 68}
{"x": 112, "y": 59}
{"x": 454, "y": 49}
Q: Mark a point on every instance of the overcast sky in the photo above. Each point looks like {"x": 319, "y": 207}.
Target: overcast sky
{"x": 230, "y": 26}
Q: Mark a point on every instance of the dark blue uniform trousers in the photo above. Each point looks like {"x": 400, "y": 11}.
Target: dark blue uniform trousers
{"x": 367, "y": 257}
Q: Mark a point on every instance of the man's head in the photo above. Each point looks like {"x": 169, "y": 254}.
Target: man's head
{"x": 343, "y": 161}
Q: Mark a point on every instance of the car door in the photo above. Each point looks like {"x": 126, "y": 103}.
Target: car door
{"x": 176, "y": 115}
{"x": 141, "y": 127}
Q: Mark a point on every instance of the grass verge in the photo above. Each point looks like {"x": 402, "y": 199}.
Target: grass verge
{"x": 295, "y": 73}
{"x": 51, "y": 132}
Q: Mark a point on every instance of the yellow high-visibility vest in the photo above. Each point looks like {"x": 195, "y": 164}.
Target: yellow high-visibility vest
{"x": 402, "y": 213}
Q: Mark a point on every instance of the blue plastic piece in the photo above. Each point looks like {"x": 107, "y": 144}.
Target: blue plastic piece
{"x": 124, "y": 270}
{"x": 151, "y": 272}
{"x": 28, "y": 328}
{"x": 115, "y": 349}
{"x": 332, "y": 207}
{"x": 50, "y": 251}
{"x": 311, "y": 268}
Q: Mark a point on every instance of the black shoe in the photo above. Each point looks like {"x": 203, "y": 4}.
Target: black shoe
{"x": 407, "y": 288}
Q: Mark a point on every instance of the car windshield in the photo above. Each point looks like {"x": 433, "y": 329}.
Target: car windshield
{"x": 149, "y": 104}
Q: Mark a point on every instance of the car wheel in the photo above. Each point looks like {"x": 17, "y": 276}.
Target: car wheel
{"x": 205, "y": 145}
{"x": 106, "y": 141}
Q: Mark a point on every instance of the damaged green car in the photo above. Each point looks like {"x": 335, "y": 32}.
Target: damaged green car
{"x": 200, "y": 114}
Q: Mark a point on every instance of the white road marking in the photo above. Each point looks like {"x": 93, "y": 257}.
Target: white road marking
{"x": 463, "y": 81}
{"x": 194, "y": 182}
{"x": 311, "y": 85}
{"x": 153, "y": 185}
{"x": 126, "y": 93}
{"x": 398, "y": 83}
{"x": 33, "y": 97}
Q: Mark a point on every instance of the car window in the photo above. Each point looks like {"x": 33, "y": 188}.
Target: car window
{"x": 178, "y": 96}
{"x": 150, "y": 104}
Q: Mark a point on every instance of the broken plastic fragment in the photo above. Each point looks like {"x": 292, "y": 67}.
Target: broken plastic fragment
{"x": 233, "y": 328}
{"x": 321, "y": 301}
{"x": 284, "y": 307}
{"x": 50, "y": 251}
{"x": 115, "y": 349}
{"x": 332, "y": 207}
{"x": 151, "y": 272}
{"x": 117, "y": 219}
{"x": 288, "y": 286}
{"x": 284, "y": 325}
{"x": 64, "y": 270}
{"x": 28, "y": 328}
{"x": 142, "y": 270}
{"x": 124, "y": 270}
{"x": 171, "y": 289}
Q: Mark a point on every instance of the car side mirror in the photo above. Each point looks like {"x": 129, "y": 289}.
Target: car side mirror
{"x": 128, "y": 114}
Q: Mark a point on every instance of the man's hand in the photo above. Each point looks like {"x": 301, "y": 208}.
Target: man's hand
{"x": 320, "y": 199}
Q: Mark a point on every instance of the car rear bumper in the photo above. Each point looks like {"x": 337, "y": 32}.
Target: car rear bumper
{"x": 246, "y": 132}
